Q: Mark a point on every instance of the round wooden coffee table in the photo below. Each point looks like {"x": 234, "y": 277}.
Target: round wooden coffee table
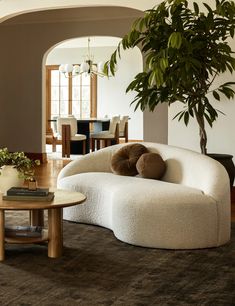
{"x": 54, "y": 234}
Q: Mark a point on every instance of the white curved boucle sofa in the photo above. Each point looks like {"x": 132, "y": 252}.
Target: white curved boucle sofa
{"x": 189, "y": 208}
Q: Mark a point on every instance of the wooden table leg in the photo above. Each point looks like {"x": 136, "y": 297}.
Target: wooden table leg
{"x": 36, "y": 217}
{"x": 55, "y": 232}
{"x": 2, "y": 235}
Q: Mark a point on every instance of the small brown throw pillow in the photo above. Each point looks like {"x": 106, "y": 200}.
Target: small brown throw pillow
{"x": 124, "y": 160}
{"x": 151, "y": 165}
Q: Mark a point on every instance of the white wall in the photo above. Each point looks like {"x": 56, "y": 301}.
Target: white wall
{"x": 221, "y": 137}
{"x": 111, "y": 96}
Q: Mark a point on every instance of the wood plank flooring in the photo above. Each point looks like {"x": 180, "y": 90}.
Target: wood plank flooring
{"x": 46, "y": 175}
{"x": 233, "y": 211}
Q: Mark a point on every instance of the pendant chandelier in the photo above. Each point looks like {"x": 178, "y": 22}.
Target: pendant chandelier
{"x": 87, "y": 67}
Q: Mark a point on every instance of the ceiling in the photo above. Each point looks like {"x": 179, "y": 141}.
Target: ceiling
{"x": 10, "y": 8}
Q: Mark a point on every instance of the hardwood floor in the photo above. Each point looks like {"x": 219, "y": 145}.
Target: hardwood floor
{"x": 233, "y": 212}
{"x": 46, "y": 175}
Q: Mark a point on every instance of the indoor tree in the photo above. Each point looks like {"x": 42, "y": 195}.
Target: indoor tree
{"x": 185, "y": 49}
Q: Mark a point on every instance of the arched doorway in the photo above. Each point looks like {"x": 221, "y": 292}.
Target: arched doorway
{"x": 106, "y": 95}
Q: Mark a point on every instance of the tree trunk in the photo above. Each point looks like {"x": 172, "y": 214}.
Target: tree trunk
{"x": 203, "y": 140}
{"x": 202, "y": 131}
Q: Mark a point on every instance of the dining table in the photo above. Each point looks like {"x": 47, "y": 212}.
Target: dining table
{"x": 84, "y": 127}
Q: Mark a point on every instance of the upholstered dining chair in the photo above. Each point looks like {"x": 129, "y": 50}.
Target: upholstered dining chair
{"x": 67, "y": 132}
{"x": 123, "y": 127}
{"x": 112, "y": 134}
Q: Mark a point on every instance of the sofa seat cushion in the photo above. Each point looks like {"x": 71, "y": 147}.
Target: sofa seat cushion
{"x": 112, "y": 183}
{"x": 144, "y": 211}
{"x": 102, "y": 135}
{"x": 74, "y": 137}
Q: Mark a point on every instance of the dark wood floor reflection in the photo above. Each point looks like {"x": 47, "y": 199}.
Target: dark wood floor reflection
{"x": 47, "y": 173}
{"x": 233, "y": 212}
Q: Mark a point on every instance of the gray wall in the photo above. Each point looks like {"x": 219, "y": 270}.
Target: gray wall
{"x": 25, "y": 41}
{"x": 156, "y": 124}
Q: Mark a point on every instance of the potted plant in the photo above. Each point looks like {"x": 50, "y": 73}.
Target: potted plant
{"x": 185, "y": 50}
{"x": 15, "y": 168}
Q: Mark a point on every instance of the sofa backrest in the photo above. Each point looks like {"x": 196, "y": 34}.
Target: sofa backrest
{"x": 183, "y": 167}
{"x": 192, "y": 169}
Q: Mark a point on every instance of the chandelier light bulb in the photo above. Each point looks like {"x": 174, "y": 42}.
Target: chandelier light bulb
{"x": 94, "y": 68}
{"x": 84, "y": 67}
{"x": 68, "y": 68}
{"x": 100, "y": 67}
{"x": 62, "y": 68}
{"x": 76, "y": 69}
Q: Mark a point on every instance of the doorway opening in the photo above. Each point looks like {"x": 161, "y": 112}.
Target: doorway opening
{"x": 84, "y": 96}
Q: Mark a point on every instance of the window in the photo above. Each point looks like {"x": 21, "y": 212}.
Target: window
{"x": 69, "y": 96}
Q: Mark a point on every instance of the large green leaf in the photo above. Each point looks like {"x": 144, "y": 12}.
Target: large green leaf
{"x": 216, "y": 95}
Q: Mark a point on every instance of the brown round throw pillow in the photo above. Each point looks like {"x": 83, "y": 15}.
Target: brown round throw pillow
{"x": 124, "y": 160}
{"x": 151, "y": 165}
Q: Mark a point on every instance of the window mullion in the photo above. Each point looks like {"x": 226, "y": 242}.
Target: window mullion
{"x": 81, "y": 96}
{"x": 59, "y": 93}
{"x": 93, "y": 96}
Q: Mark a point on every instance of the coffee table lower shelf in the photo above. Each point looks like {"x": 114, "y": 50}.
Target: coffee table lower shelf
{"x": 27, "y": 240}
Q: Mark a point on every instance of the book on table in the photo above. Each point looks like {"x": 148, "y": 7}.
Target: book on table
{"x": 32, "y": 198}
{"x": 23, "y": 231}
{"x": 23, "y": 191}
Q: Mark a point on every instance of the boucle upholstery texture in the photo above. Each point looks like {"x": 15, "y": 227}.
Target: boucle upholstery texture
{"x": 189, "y": 208}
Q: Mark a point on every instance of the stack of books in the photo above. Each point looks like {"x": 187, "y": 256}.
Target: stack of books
{"x": 25, "y": 194}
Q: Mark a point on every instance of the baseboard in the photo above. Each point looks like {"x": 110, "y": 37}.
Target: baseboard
{"x": 41, "y": 156}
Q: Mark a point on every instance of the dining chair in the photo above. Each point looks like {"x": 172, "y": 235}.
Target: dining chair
{"x": 67, "y": 132}
{"x": 123, "y": 127}
{"x": 51, "y": 135}
{"x": 55, "y": 133}
{"x": 112, "y": 134}
{"x": 52, "y": 140}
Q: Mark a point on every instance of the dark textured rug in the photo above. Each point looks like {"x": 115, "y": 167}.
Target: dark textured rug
{"x": 97, "y": 269}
